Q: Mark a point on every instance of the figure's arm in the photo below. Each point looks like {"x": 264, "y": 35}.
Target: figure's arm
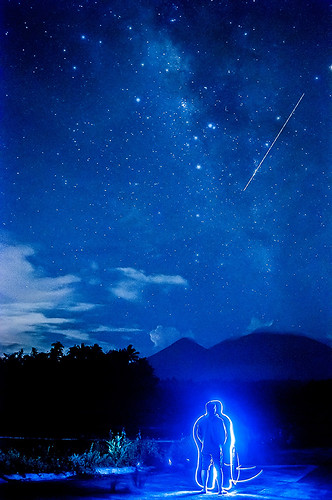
{"x": 197, "y": 432}
{"x": 225, "y": 434}
{"x": 230, "y": 438}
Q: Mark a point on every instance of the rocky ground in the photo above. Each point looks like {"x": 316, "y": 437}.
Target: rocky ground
{"x": 310, "y": 479}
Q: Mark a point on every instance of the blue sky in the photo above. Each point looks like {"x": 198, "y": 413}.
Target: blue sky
{"x": 130, "y": 131}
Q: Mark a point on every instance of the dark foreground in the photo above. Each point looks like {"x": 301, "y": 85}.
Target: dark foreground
{"x": 305, "y": 482}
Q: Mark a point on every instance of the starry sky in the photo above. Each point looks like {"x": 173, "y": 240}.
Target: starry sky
{"x": 129, "y": 131}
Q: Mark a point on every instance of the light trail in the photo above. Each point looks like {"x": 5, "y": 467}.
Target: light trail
{"x": 234, "y": 465}
{"x": 275, "y": 140}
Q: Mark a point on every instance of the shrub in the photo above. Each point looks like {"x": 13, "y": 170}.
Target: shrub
{"x": 86, "y": 463}
{"x": 144, "y": 451}
{"x": 139, "y": 451}
{"x": 15, "y": 462}
{"x": 118, "y": 451}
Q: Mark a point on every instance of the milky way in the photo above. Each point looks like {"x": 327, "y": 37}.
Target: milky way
{"x": 130, "y": 130}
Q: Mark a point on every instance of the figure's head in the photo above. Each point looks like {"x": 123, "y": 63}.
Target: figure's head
{"x": 219, "y": 406}
{"x": 210, "y": 407}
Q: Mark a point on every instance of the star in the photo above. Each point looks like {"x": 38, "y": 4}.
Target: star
{"x": 134, "y": 131}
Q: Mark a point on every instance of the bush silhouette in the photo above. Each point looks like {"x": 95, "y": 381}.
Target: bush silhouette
{"x": 82, "y": 393}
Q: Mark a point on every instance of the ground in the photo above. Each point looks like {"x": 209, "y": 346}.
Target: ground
{"x": 304, "y": 482}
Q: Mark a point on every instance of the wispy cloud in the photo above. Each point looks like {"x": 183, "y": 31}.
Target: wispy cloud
{"x": 256, "y": 323}
{"x": 36, "y": 307}
{"x": 21, "y": 281}
{"x": 111, "y": 329}
{"x": 133, "y": 282}
{"x": 29, "y": 298}
{"x": 163, "y": 336}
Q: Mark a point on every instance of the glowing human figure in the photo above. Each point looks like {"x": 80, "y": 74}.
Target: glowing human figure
{"x": 230, "y": 472}
{"x": 210, "y": 432}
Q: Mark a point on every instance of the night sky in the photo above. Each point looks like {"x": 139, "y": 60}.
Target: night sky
{"x": 129, "y": 131}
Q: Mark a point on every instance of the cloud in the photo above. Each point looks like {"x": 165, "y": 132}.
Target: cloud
{"x": 107, "y": 329}
{"x": 256, "y": 323}
{"x": 28, "y": 298}
{"x": 133, "y": 283}
{"x": 80, "y": 307}
{"x": 164, "y": 336}
{"x": 76, "y": 334}
{"x": 19, "y": 280}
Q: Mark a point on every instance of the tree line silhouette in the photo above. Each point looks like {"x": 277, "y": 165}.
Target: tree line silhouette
{"x": 84, "y": 392}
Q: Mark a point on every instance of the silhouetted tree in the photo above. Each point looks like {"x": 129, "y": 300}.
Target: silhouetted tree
{"x": 83, "y": 392}
{"x": 86, "y": 392}
{"x": 56, "y": 352}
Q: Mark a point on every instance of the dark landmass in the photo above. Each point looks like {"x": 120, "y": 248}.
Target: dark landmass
{"x": 277, "y": 391}
{"x": 254, "y": 357}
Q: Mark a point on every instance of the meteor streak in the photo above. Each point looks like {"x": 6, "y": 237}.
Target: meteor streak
{"x": 273, "y": 143}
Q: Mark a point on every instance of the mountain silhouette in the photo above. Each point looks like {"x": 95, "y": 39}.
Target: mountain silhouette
{"x": 257, "y": 356}
{"x": 180, "y": 360}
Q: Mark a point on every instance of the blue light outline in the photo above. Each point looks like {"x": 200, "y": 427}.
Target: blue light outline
{"x": 233, "y": 455}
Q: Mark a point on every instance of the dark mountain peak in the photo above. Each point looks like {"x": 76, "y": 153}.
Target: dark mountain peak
{"x": 182, "y": 345}
{"x": 256, "y": 356}
{"x": 266, "y": 355}
{"x": 271, "y": 340}
{"x": 187, "y": 342}
{"x": 179, "y": 360}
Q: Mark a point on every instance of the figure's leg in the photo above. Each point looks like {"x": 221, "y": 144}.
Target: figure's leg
{"x": 204, "y": 475}
{"x": 227, "y": 477}
{"x": 206, "y": 465}
{"x": 219, "y": 477}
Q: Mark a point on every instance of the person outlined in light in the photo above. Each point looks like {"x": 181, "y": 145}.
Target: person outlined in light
{"x": 228, "y": 472}
{"x": 210, "y": 436}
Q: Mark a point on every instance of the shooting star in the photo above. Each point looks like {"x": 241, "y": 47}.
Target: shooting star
{"x": 273, "y": 143}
